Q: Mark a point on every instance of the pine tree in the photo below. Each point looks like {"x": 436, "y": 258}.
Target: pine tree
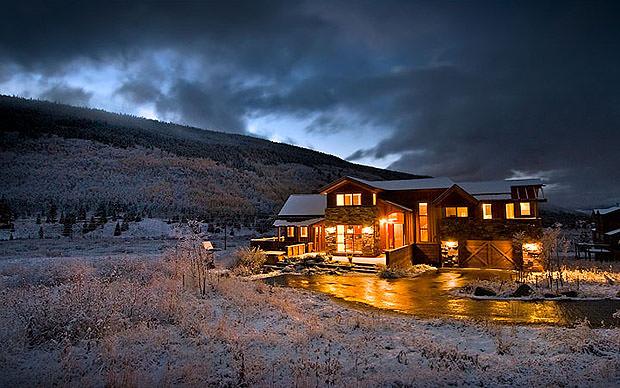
{"x": 11, "y": 236}
{"x": 85, "y": 228}
{"x": 41, "y": 234}
{"x": 124, "y": 225}
{"x": 67, "y": 229}
{"x": 117, "y": 229}
{"x": 92, "y": 225}
{"x": 81, "y": 214}
{"x": 52, "y": 213}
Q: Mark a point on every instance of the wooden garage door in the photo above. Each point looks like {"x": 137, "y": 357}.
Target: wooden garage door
{"x": 488, "y": 254}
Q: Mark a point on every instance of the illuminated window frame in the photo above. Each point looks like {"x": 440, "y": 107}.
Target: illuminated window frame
{"x": 423, "y": 221}
{"x": 354, "y": 199}
{"x": 374, "y": 199}
{"x": 456, "y": 211}
{"x": 525, "y": 208}
{"x": 510, "y": 211}
{"x": 487, "y": 211}
{"x": 303, "y": 231}
{"x": 290, "y": 231}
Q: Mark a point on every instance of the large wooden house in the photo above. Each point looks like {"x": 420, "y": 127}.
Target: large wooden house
{"x": 492, "y": 224}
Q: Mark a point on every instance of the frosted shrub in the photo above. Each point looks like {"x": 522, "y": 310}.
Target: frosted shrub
{"x": 402, "y": 272}
{"x": 248, "y": 261}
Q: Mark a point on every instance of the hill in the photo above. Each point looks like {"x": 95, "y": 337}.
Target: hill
{"x": 78, "y": 158}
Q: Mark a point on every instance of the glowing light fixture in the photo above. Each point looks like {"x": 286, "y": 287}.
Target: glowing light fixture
{"x": 532, "y": 247}
{"x": 368, "y": 230}
{"x": 331, "y": 229}
{"x": 452, "y": 244}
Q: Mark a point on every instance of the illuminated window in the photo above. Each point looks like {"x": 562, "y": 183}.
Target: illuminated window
{"x": 290, "y": 231}
{"x": 510, "y": 210}
{"x": 348, "y": 199}
{"x": 423, "y": 221}
{"x": 456, "y": 211}
{"x": 487, "y": 213}
{"x": 349, "y": 238}
{"x": 374, "y": 199}
{"x": 303, "y": 231}
{"x": 525, "y": 209}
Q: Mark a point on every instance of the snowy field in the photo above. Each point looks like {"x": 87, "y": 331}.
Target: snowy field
{"x": 127, "y": 319}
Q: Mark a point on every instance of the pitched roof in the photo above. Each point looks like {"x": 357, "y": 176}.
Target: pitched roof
{"x": 607, "y": 210}
{"x": 408, "y": 184}
{"x": 497, "y": 187}
{"x": 304, "y": 205}
{"x": 458, "y": 190}
{"x": 613, "y": 232}
{"x": 309, "y": 222}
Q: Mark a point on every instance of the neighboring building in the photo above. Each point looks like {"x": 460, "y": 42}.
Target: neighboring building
{"x": 434, "y": 220}
{"x": 606, "y": 229}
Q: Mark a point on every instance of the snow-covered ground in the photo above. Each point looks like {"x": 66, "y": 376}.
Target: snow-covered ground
{"x": 129, "y": 321}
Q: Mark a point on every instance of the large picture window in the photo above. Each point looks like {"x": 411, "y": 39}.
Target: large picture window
{"x": 349, "y": 238}
{"x": 423, "y": 221}
{"x": 354, "y": 199}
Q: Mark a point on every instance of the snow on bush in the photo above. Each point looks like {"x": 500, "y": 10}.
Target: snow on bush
{"x": 398, "y": 272}
{"x": 129, "y": 322}
{"x": 248, "y": 261}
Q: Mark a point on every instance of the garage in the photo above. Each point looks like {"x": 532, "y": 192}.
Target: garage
{"x": 488, "y": 254}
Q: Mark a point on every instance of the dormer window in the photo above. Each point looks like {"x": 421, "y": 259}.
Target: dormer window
{"x": 349, "y": 199}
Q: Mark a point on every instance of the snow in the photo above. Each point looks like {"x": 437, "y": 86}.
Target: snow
{"x": 607, "y": 210}
{"x": 304, "y": 205}
{"x": 117, "y": 323}
{"x": 497, "y": 187}
{"x": 409, "y": 184}
{"x": 613, "y": 232}
{"x": 297, "y": 223}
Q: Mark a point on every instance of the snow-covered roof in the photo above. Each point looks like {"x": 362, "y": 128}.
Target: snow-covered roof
{"x": 607, "y": 210}
{"x": 298, "y": 223}
{"x": 613, "y": 232}
{"x": 409, "y": 184}
{"x": 497, "y": 187}
{"x": 304, "y": 205}
{"x": 492, "y": 197}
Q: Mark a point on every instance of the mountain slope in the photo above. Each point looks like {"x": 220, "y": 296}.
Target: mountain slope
{"x": 78, "y": 157}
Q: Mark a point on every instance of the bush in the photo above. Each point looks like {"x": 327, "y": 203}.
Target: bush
{"x": 248, "y": 261}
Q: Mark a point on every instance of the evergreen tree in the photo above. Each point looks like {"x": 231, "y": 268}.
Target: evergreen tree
{"x": 124, "y": 226}
{"x": 117, "y": 229}
{"x": 38, "y": 219}
{"x": 6, "y": 215}
{"x": 52, "y": 213}
{"x": 85, "y": 228}
{"x": 82, "y": 214}
{"x": 67, "y": 229}
{"x": 41, "y": 235}
{"x": 62, "y": 218}
{"x": 11, "y": 236}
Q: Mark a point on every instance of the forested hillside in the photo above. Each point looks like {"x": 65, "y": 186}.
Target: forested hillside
{"x": 77, "y": 159}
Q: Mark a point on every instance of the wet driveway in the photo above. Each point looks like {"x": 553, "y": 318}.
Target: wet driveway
{"x": 429, "y": 296}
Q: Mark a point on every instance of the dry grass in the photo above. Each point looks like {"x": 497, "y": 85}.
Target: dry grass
{"x": 130, "y": 323}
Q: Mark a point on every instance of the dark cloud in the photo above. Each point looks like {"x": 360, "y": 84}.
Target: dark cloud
{"x": 471, "y": 90}
{"x": 67, "y": 95}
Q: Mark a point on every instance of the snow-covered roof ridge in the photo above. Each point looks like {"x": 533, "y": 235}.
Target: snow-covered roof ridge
{"x": 607, "y": 210}
{"x": 304, "y": 205}
{"x": 408, "y": 184}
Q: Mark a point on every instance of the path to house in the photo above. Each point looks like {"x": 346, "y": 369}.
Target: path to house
{"x": 429, "y": 296}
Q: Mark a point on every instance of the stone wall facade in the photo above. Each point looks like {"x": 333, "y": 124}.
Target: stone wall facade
{"x": 366, "y": 216}
{"x": 472, "y": 229}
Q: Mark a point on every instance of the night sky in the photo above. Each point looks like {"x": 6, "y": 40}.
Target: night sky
{"x": 464, "y": 89}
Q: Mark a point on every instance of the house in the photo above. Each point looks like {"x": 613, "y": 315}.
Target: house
{"x": 606, "y": 231}
{"x": 434, "y": 220}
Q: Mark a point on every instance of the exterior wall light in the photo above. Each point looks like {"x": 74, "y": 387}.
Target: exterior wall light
{"x": 368, "y": 230}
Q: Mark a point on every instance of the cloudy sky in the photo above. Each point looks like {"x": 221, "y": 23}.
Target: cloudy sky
{"x": 465, "y": 89}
